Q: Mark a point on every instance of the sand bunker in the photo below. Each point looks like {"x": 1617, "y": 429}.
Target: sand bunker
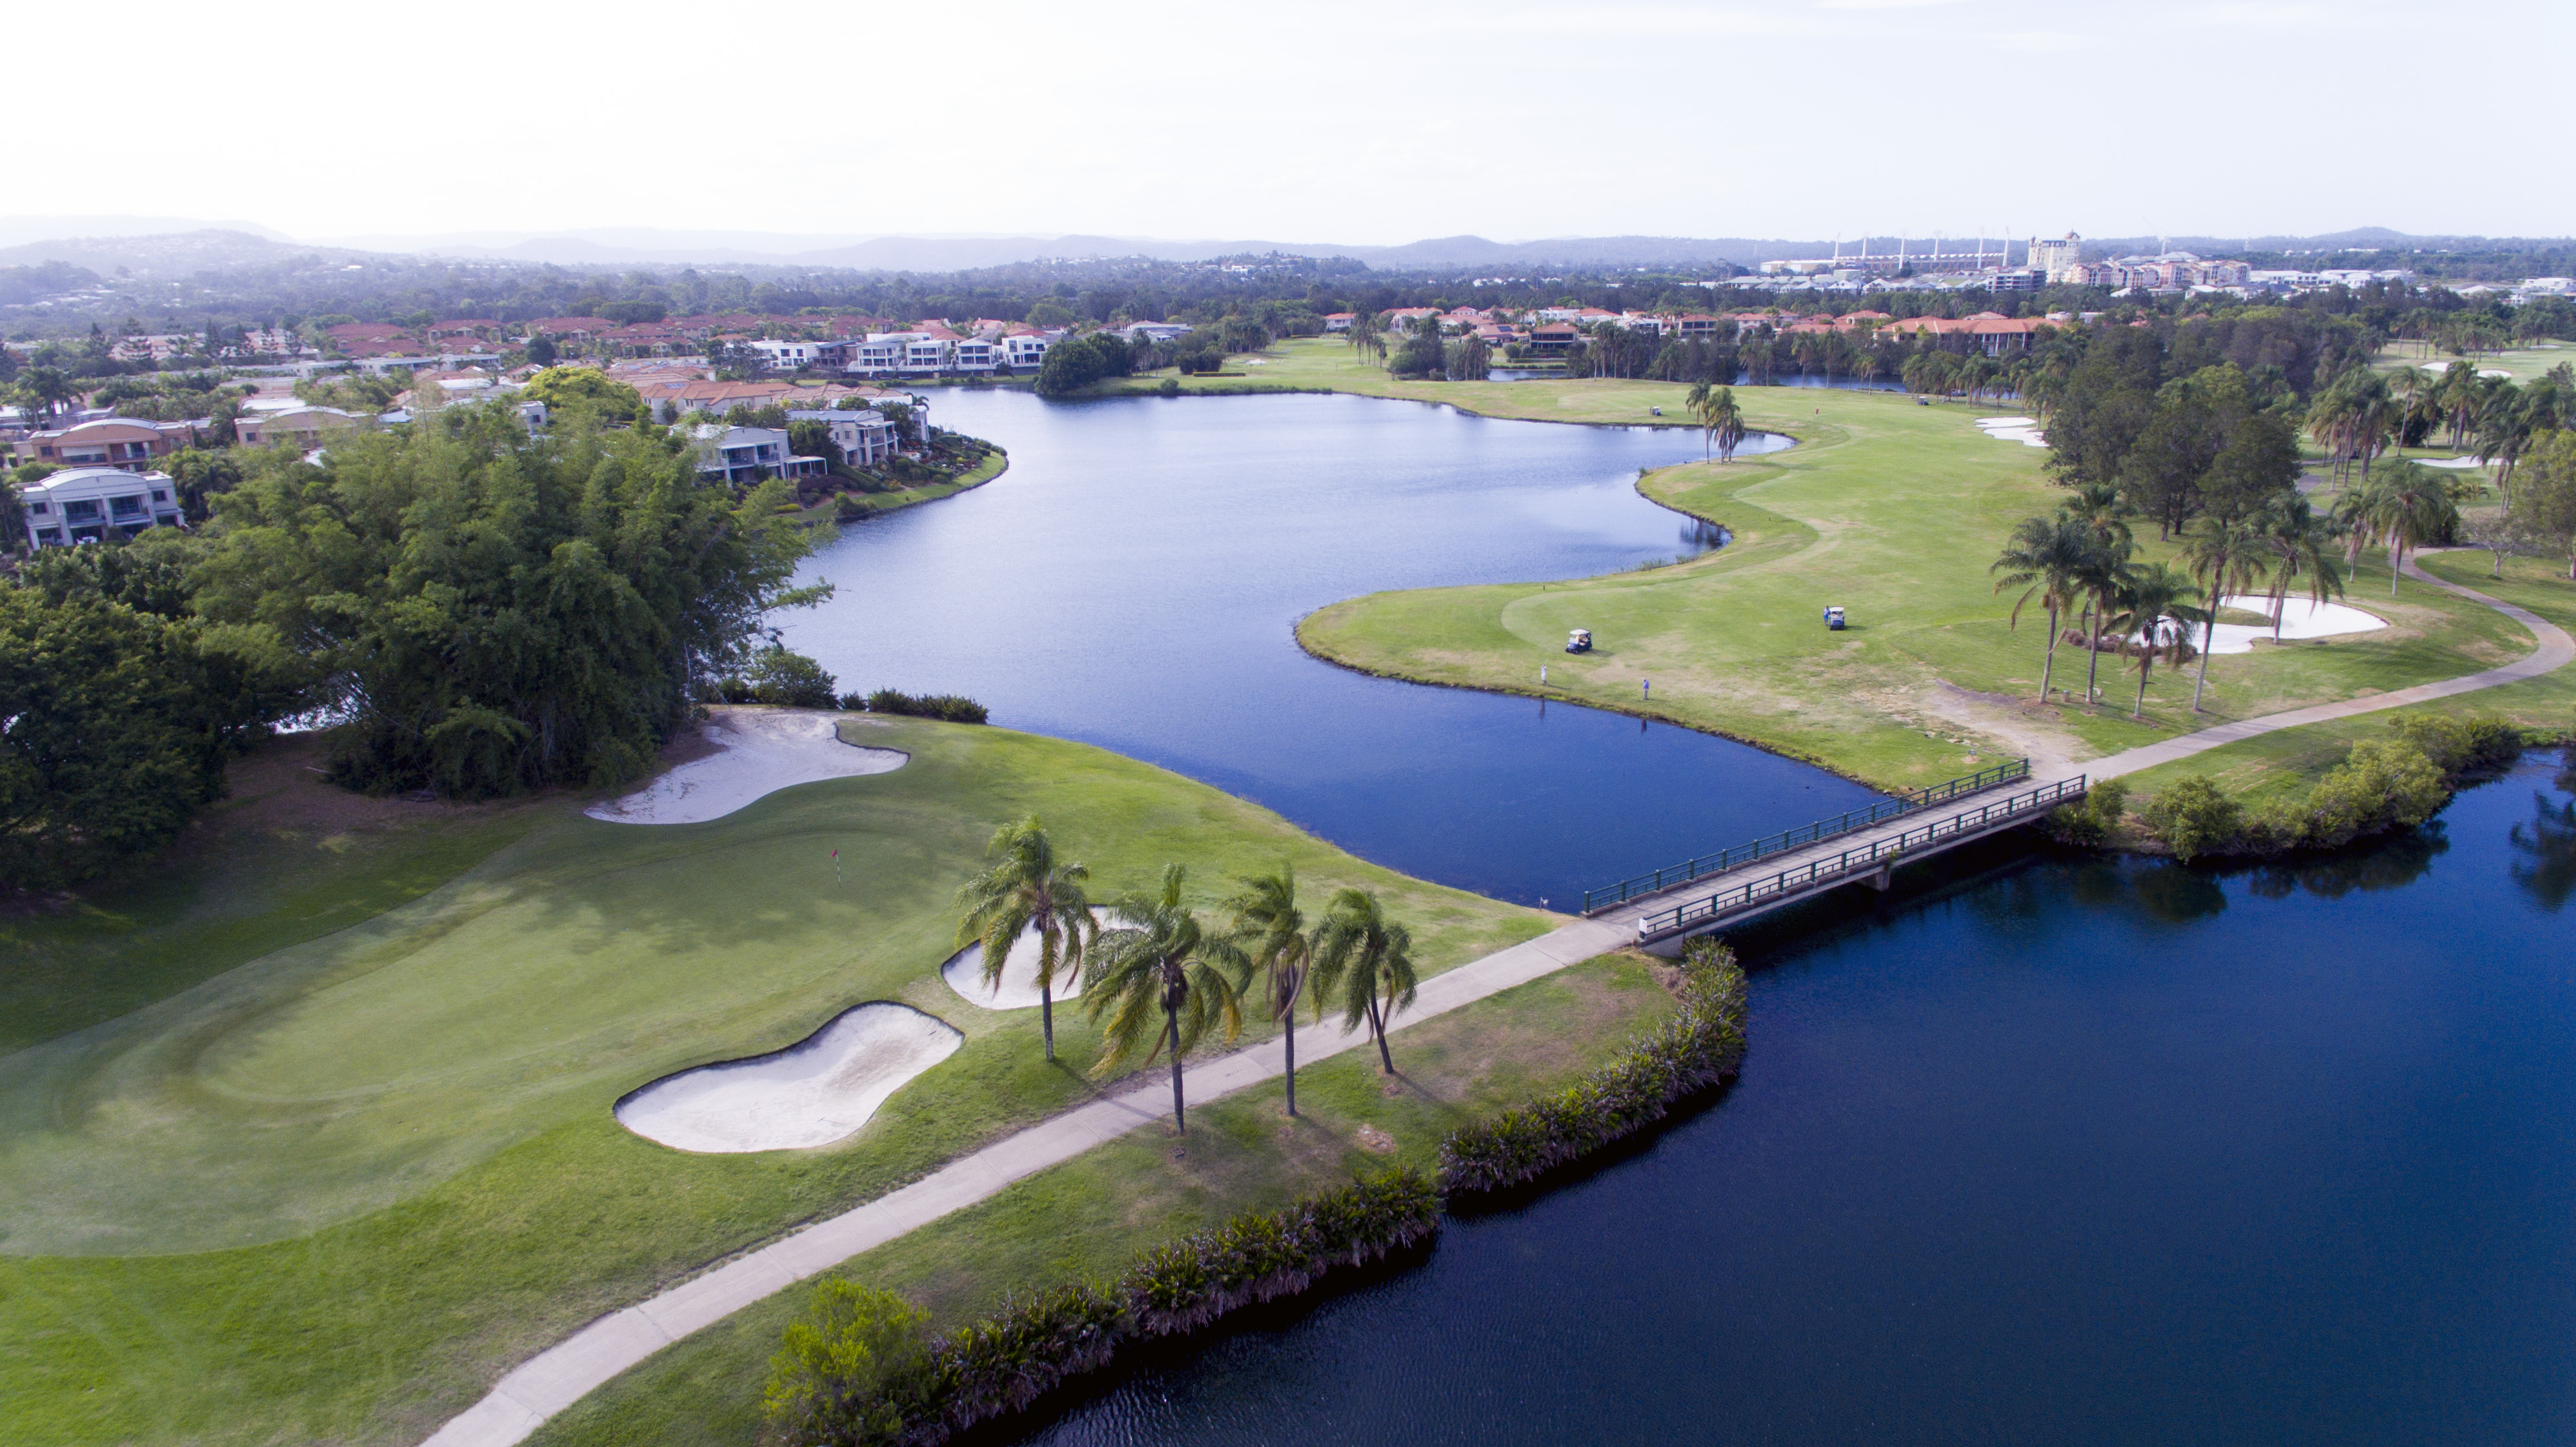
{"x": 2024, "y": 430}
{"x": 2300, "y": 618}
{"x": 758, "y": 752}
{"x": 1018, "y": 989}
{"x": 810, "y": 1094}
{"x": 2454, "y": 463}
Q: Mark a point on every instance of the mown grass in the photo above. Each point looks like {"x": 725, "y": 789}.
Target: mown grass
{"x": 1889, "y": 509}
{"x": 2525, "y": 363}
{"x": 2288, "y": 762}
{"x": 332, "y": 1192}
{"x": 1087, "y": 1218}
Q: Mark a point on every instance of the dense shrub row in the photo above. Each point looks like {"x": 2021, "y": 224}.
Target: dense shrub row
{"x": 1701, "y": 1045}
{"x": 2384, "y": 784}
{"x": 858, "y": 1369}
{"x": 955, "y": 708}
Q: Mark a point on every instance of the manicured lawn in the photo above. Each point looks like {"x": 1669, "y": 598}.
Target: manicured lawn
{"x": 334, "y": 1190}
{"x": 1089, "y": 1216}
{"x": 2291, "y": 760}
{"x": 2525, "y": 363}
{"x": 1889, "y": 509}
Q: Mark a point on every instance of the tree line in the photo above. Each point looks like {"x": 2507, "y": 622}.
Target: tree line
{"x": 462, "y": 607}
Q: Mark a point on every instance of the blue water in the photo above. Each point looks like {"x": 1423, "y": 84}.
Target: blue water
{"x": 2037, "y": 1148}
{"x": 1135, "y": 578}
{"x": 2059, "y": 1151}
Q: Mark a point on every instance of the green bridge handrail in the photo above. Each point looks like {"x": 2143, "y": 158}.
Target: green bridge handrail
{"x": 1596, "y": 900}
{"x": 1862, "y": 860}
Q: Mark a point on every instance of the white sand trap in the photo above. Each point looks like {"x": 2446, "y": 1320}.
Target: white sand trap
{"x": 2024, "y": 430}
{"x": 2300, "y": 618}
{"x": 758, "y": 752}
{"x": 2455, "y": 463}
{"x": 810, "y": 1094}
{"x": 1018, "y": 989}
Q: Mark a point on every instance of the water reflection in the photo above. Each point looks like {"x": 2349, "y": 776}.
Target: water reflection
{"x": 2399, "y": 861}
{"x": 2547, "y": 870}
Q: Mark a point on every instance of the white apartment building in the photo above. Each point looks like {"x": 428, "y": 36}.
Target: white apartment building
{"x": 788, "y": 356}
{"x": 866, "y": 439}
{"x": 1027, "y": 349}
{"x": 743, "y": 455}
{"x": 92, "y": 504}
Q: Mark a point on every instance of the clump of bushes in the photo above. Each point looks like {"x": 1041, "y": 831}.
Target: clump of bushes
{"x": 777, "y": 676}
{"x": 953, "y": 707}
{"x": 1700, "y": 1046}
{"x": 2094, "y": 819}
{"x": 858, "y": 1367}
{"x": 2383, "y": 784}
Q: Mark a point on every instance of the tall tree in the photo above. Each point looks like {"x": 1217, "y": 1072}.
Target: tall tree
{"x": 1364, "y": 960}
{"x": 1161, "y": 962}
{"x": 2096, "y": 507}
{"x": 2301, "y": 545}
{"x": 2409, "y": 508}
{"x": 2045, "y": 558}
{"x": 1265, "y": 926}
{"x": 1026, "y": 887}
{"x": 2153, "y": 610}
{"x": 2225, "y": 557}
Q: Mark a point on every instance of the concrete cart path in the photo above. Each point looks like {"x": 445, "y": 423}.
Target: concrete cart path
{"x": 2555, "y": 650}
{"x": 561, "y": 1375}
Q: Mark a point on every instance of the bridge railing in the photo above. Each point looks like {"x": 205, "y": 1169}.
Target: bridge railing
{"x": 1799, "y": 838}
{"x": 1862, "y": 859}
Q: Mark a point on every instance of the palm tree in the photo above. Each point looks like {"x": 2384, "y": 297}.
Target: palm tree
{"x": 2225, "y": 558}
{"x": 1365, "y": 959}
{"x": 1162, "y": 960}
{"x": 2044, "y": 558}
{"x": 1696, "y": 399}
{"x": 2153, "y": 598}
{"x": 1027, "y": 886}
{"x": 2302, "y": 546}
{"x": 2410, "y": 509}
{"x": 2096, "y": 506}
{"x": 1266, "y": 928}
{"x": 1721, "y": 419}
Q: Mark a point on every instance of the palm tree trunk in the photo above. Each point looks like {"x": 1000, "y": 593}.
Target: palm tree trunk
{"x": 2049, "y": 662}
{"x": 1290, "y": 1042}
{"x": 1377, "y": 1027}
{"x": 1180, "y": 1121}
{"x": 2092, "y": 655}
{"x": 2208, "y": 636}
{"x": 2143, "y": 665}
{"x": 1046, "y": 1017}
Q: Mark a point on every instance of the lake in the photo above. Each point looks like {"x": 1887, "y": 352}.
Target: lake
{"x": 1134, "y": 581}
{"x": 2036, "y": 1148}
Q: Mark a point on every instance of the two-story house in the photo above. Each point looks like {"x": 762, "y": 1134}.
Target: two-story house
{"x": 866, "y": 439}
{"x": 112, "y": 441}
{"x": 745, "y": 455}
{"x": 92, "y": 504}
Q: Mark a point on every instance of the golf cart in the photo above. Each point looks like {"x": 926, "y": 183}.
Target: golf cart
{"x": 1579, "y": 641}
{"x": 1834, "y": 619}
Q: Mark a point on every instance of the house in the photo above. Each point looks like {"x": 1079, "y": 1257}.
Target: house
{"x": 787, "y": 356}
{"x": 672, "y": 400}
{"x": 975, "y": 354}
{"x": 1402, "y": 318}
{"x": 1026, "y": 346}
{"x": 1696, "y": 324}
{"x": 360, "y": 339}
{"x": 1552, "y": 336}
{"x": 1162, "y": 331}
{"x": 745, "y": 456}
{"x": 91, "y": 504}
{"x": 111, "y": 442}
{"x": 304, "y": 426}
{"x": 1339, "y": 321}
{"x": 866, "y": 439}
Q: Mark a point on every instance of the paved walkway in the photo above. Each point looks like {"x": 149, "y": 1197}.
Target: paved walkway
{"x": 563, "y": 1374}
{"x": 2555, "y": 649}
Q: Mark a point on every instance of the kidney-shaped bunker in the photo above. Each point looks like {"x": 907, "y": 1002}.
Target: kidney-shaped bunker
{"x": 812, "y": 1093}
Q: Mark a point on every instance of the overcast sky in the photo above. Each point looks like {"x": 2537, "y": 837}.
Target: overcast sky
{"x": 1363, "y": 123}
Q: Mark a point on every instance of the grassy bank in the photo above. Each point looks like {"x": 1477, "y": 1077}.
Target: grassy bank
{"x": 333, "y": 1190}
{"x": 1086, "y": 1219}
{"x": 872, "y": 504}
{"x": 1889, "y": 509}
{"x": 2294, "y": 759}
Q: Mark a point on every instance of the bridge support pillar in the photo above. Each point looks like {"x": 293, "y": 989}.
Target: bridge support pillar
{"x": 1880, "y": 881}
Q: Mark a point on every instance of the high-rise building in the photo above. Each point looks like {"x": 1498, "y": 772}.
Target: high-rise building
{"x": 2052, "y": 258}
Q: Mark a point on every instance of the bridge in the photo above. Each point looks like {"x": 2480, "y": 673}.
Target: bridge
{"x": 1739, "y": 884}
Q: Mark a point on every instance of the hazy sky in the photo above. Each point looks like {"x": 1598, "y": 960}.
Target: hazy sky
{"x": 1364, "y": 123}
